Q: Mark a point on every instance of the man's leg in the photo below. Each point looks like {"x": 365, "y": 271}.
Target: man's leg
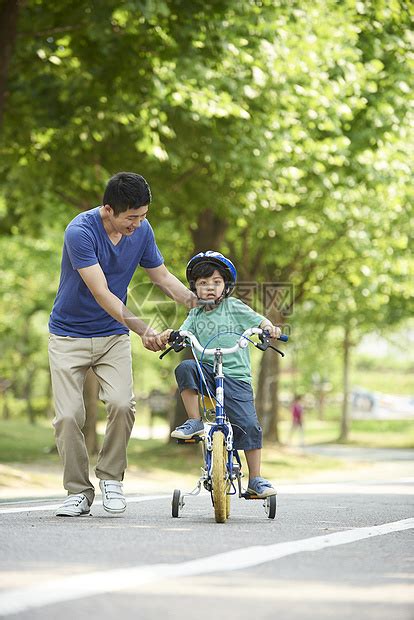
{"x": 69, "y": 361}
{"x": 113, "y": 367}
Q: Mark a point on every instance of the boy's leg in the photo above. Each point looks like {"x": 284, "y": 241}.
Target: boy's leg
{"x": 70, "y": 359}
{"x": 190, "y": 401}
{"x": 113, "y": 368}
{"x": 240, "y": 409}
{"x": 188, "y": 382}
{"x": 253, "y": 458}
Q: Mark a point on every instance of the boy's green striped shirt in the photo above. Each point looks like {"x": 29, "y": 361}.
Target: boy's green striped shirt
{"x": 231, "y": 315}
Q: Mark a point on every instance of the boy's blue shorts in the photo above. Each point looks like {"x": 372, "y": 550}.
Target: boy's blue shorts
{"x": 238, "y": 402}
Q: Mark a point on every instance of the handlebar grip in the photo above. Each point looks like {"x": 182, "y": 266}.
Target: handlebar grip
{"x": 173, "y": 336}
{"x": 284, "y": 338}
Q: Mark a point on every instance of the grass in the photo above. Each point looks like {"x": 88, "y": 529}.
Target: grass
{"x": 363, "y": 433}
{"x": 28, "y": 451}
{"x": 22, "y": 443}
{"x": 382, "y": 433}
{"x": 153, "y": 455}
{"x": 384, "y": 381}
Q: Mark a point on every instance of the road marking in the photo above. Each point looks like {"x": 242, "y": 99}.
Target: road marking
{"x": 101, "y": 582}
{"x": 26, "y": 508}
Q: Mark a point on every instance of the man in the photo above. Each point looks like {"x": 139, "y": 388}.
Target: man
{"x": 89, "y": 328}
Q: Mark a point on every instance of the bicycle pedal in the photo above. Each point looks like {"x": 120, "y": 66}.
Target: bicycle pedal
{"x": 193, "y": 440}
{"x": 247, "y": 495}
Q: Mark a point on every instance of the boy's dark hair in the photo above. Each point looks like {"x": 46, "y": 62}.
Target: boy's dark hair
{"x": 126, "y": 190}
{"x": 205, "y": 270}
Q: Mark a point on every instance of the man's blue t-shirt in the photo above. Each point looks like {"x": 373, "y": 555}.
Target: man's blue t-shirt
{"x": 75, "y": 312}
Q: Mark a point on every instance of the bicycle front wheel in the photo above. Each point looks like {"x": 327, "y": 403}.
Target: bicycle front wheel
{"x": 219, "y": 478}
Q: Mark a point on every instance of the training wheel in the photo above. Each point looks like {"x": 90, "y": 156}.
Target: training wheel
{"x": 270, "y": 506}
{"x": 176, "y": 503}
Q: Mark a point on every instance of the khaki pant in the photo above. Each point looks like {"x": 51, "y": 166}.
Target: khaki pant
{"x": 110, "y": 360}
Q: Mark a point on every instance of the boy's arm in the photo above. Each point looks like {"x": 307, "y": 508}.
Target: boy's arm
{"x": 247, "y": 317}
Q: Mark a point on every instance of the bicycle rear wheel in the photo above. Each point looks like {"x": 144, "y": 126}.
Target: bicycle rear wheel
{"x": 219, "y": 478}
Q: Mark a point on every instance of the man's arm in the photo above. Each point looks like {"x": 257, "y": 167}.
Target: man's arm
{"x": 172, "y": 286}
{"x": 95, "y": 280}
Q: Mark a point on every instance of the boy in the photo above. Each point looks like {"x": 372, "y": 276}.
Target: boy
{"x": 212, "y": 277}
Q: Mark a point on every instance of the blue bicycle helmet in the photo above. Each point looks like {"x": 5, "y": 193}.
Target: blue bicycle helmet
{"x": 215, "y": 258}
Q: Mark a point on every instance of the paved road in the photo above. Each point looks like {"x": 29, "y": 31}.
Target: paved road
{"x": 356, "y": 453}
{"x": 340, "y": 551}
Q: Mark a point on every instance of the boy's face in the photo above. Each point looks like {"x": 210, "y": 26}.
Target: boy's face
{"x": 210, "y": 288}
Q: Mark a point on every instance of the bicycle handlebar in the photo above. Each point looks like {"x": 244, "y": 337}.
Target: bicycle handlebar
{"x": 177, "y": 340}
{"x": 240, "y": 344}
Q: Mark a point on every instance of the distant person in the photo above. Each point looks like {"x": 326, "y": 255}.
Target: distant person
{"x": 297, "y": 419}
{"x": 89, "y": 328}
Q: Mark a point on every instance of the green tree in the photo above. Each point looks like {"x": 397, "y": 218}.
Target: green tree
{"x": 264, "y": 129}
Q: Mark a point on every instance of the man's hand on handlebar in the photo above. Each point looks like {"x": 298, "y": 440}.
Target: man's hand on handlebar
{"x": 165, "y": 335}
{"x": 156, "y": 342}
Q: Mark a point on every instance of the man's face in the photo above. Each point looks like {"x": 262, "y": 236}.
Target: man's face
{"x": 128, "y": 221}
{"x": 210, "y": 288}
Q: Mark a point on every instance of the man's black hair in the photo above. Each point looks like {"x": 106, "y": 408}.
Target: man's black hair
{"x": 126, "y": 190}
{"x": 205, "y": 270}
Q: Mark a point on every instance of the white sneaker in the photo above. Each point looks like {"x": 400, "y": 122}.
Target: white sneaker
{"x": 76, "y": 505}
{"x": 113, "y": 498}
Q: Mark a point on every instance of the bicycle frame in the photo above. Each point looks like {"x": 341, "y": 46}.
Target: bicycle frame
{"x": 221, "y": 424}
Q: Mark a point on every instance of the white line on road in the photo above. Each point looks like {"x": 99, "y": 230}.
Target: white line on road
{"x": 101, "y": 582}
{"x": 26, "y": 508}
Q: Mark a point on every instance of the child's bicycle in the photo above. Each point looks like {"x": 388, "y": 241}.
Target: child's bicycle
{"x": 221, "y": 463}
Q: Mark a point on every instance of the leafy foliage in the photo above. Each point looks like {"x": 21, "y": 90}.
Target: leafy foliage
{"x": 264, "y": 130}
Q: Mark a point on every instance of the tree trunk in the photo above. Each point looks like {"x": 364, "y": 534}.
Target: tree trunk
{"x": 90, "y": 395}
{"x": 6, "y": 409}
{"x": 27, "y": 393}
{"x": 345, "y": 380}
{"x": 262, "y": 396}
{"x": 272, "y": 430}
{"x": 5, "y": 384}
{"x": 210, "y": 231}
{"x": 9, "y": 10}
{"x": 321, "y": 404}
